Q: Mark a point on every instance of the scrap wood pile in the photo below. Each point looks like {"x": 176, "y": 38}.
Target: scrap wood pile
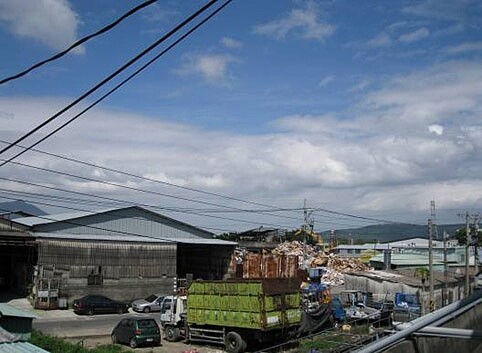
{"x": 335, "y": 265}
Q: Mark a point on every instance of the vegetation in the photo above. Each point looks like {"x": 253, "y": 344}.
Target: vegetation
{"x": 58, "y": 345}
{"x": 460, "y": 235}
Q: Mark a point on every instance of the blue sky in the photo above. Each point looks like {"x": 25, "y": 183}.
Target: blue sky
{"x": 369, "y": 108}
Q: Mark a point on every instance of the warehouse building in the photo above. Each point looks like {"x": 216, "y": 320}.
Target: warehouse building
{"x": 124, "y": 253}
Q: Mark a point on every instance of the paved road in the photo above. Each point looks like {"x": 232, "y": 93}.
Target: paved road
{"x": 82, "y": 325}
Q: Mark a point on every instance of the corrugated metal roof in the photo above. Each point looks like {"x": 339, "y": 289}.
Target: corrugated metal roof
{"x": 20, "y": 347}
{"x": 8, "y": 310}
{"x": 135, "y": 238}
{"x": 52, "y": 218}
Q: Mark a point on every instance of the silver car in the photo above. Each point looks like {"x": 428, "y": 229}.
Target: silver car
{"x": 151, "y": 303}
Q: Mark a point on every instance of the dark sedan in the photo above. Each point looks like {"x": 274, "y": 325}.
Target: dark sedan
{"x": 93, "y": 304}
{"x": 136, "y": 331}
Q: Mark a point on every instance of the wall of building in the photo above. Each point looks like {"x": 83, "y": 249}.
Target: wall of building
{"x": 121, "y": 270}
{"x": 385, "y": 289}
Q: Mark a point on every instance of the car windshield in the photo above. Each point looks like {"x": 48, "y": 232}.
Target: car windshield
{"x": 151, "y": 298}
{"x": 146, "y": 323}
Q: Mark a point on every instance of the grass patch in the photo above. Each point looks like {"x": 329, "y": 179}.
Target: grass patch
{"x": 58, "y": 345}
{"x": 321, "y": 342}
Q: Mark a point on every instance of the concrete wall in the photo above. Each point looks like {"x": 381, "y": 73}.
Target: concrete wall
{"x": 385, "y": 289}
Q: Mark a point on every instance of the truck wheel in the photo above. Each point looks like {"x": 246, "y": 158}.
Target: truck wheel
{"x": 172, "y": 333}
{"x": 234, "y": 343}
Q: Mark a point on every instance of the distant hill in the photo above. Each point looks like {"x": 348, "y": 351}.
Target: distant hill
{"x": 20, "y": 206}
{"x": 393, "y": 232}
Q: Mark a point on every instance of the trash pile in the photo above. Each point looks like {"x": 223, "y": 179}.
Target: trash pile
{"x": 309, "y": 257}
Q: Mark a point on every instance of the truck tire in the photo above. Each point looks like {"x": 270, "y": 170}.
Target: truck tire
{"x": 234, "y": 343}
{"x": 172, "y": 333}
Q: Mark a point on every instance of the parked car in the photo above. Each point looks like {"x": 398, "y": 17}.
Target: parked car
{"x": 151, "y": 303}
{"x": 136, "y": 331}
{"x": 92, "y": 304}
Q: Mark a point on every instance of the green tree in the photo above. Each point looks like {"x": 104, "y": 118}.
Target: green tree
{"x": 460, "y": 235}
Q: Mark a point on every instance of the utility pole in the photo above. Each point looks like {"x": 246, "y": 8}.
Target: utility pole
{"x": 431, "y": 225}
{"x": 305, "y": 229}
{"x": 445, "y": 291}
{"x": 476, "y": 254}
{"x": 430, "y": 265}
{"x": 467, "y": 240}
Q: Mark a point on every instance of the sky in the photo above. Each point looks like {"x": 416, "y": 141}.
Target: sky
{"x": 369, "y": 109}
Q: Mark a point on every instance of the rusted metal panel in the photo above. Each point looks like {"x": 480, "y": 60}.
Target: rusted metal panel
{"x": 252, "y": 266}
{"x": 270, "y": 266}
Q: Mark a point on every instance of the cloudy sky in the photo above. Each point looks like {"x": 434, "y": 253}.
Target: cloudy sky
{"x": 371, "y": 109}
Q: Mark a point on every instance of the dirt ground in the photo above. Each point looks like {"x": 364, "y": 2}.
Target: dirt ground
{"x": 166, "y": 347}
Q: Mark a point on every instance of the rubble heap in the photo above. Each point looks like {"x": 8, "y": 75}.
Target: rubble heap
{"x": 309, "y": 256}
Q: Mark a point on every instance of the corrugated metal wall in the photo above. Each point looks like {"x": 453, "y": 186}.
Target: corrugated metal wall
{"x": 131, "y": 220}
{"x": 116, "y": 260}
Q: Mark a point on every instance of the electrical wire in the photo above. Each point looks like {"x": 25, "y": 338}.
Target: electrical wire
{"x": 107, "y": 79}
{"x": 137, "y": 203}
{"x": 143, "y": 190}
{"x": 151, "y": 179}
{"x": 79, "y": 42}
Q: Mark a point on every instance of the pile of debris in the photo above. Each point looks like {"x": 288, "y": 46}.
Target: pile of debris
{"x": 308, "y": 256}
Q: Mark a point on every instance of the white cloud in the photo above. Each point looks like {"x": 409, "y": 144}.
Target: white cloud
{"x": 414, "y": 36}
{"x": 418, "y": 137}
{"x": 212, "y": 67}
{"x": 448, "y": 10}
{"x": 231, "y": 43}
{"x": 326, "y": 81}
{"x": 436, "y": 129}
{"x": 463, "y": 48}
{"x": 380, "y": 40}
{"x": 50, "y": 22}
{"x": 304, "y": 22}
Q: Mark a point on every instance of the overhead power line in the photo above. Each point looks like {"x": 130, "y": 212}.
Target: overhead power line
{"x": 144, "y": 190}
{"x": 105, "y": 80}
{"x": 79, "y": 42}
{"x": 125, "y": 202}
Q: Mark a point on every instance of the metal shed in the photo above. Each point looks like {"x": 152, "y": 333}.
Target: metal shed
{"x": 123, "y": 253}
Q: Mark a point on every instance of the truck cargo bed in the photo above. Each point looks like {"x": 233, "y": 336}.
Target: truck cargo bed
{"x": 261, "y": 304}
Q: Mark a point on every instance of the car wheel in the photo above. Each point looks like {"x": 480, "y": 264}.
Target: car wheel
{"x": 120, "y": 310}
{"x": 133, "y": 342}
{"x": 234, "y": 343}
{"x": 90, "y": 312}
{"x": 172, "y": 333}
{"x": 113, "y": 337}
{"x": 147, "y": 310}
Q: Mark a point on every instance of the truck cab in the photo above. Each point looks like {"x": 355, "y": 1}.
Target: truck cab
{"x": 173, "y": 317}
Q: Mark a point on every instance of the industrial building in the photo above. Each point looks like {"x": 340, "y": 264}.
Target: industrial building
{"x": 124, "y": 253}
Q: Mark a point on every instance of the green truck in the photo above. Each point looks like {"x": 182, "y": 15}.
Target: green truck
{"x": 234, "y": 312}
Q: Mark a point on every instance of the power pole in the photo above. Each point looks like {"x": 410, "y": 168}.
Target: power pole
{"x": 445, "y": 290}
{"x": 467, "y": 240}
{"x": 476, "y": 254}
{"x": 431, "y": 225}
{"x": 430, "y": 266}
{"x": 305, "y": 229}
